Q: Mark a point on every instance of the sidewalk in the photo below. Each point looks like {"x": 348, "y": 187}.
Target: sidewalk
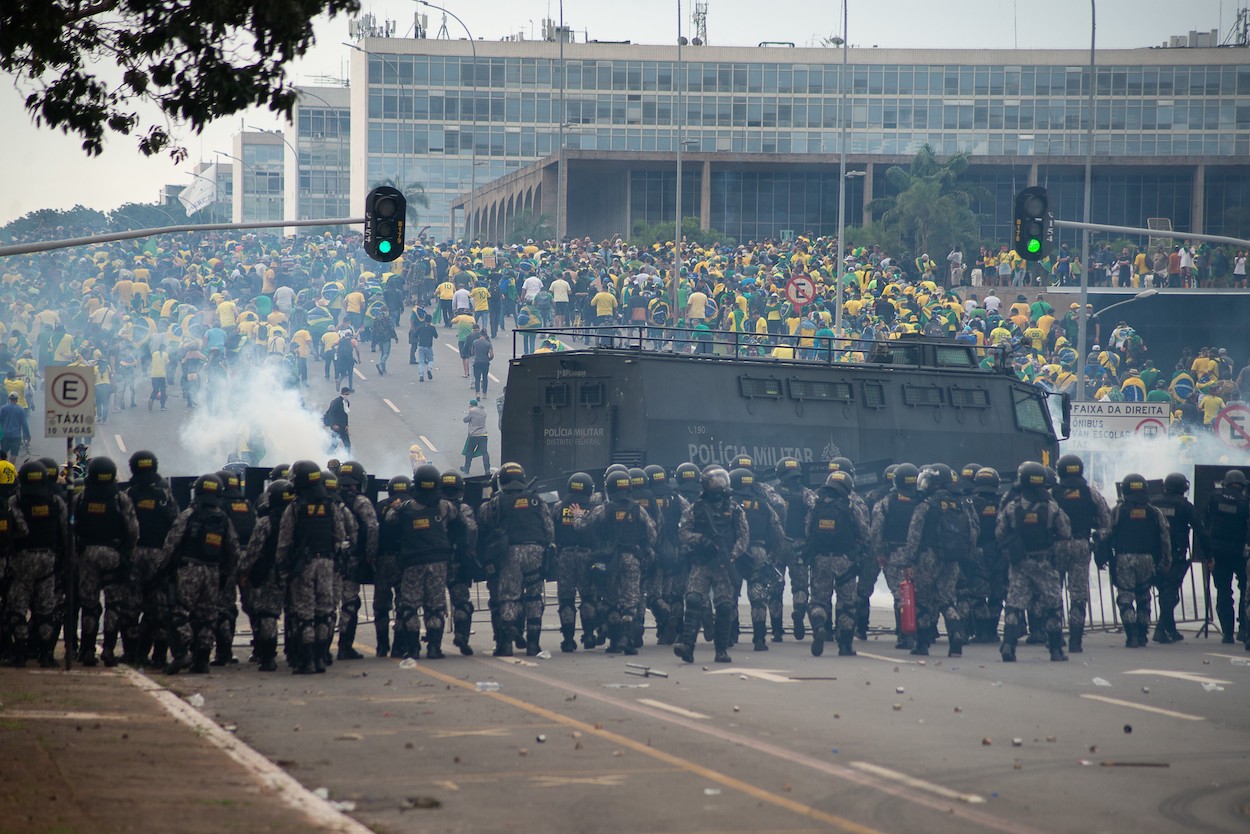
{"x": 90, "y": 751}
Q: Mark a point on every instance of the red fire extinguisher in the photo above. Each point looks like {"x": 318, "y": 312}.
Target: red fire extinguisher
{"x": 907, "y": 606}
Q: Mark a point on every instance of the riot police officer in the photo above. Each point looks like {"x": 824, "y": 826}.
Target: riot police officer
{"x": 517, "y": 526}
{"x": 792, "y": 557}
{"x": 1225, "y": 517}
{"x": 464, "y": 567}
{"x": 1090, "y": 517}
{"x": 1029, "y": 526}
{"x": 258, "y": 573}
{"x": 671, "y": 569}
{"x": 386, "y": 567}
{"x": 155, "y": 510}
{"x": 714, "y": 532}
{"x": 345, "y": 566}
{"x": 836, "y": 536}
{"x": 243, "y": 517}
{"x": 105, "y": 532}
{"x": 1139, "y": 538}
{"x": 755, "y": 565}
{"x": 573, "y": 544}
{"x": 891, "y": 519}
{"x": 39, "y": 539}
{"x": 990, "y": 562}
{"x": 1182, "y": 519}
{"x": 425, "y": 522}
{"x": 621, "y": 530}
{"x": 201, "y": 549}
{"x": 310, "y": 535}
{"x": 939, "y": 538}
{"x": 352, "y": 479}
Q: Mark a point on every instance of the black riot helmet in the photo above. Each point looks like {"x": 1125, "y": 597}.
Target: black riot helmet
{"x": 580, "y": 485}
{"x": 231, "y": 482}
{"x": 426, "y": 483}
{"x": 841, "y": 464}
{"x": 450, "y": 485}
{"x": 638, "y": 480}
{"x": 789, "y": 468}
{"x": 330, "y": 481}
{"x": 1134, "y": 489}
{"x": 742, "y": 482}
{"x": 906, "y": 478}
{"x": 612, "y": 470}
{"x": 33, "y": 479}
{"x": 143, "y": 467}
{"x": 281, "y": 472}
{"x": 688, "y": 480}
{"x": 208, "y": 490}
{"x": 279, "y": 494}
{"x": 987, "y": 481}
{"x": 51, "y": 467}
{"x": 839, "y": 484}
{"x": 1070, "y": 467}
{"x": 1031, "y": 478}
{"x": 618, "y": 485}
{"x": 399, "y": 485}
{"x": 352, "y": 477}
{"x": 744, "y": 462}
{"x": 936, "y": 477}
{"x": 1176, "y": 484}
{"x": 512, "y": 477}
{"x": 657, "y": 480}
{"x": 1235, "y": 478}
{"x": 102, "y": 472}
{"x": 889, "y": 473}
{"x": 306, "y": 478}
{"x": 716, "y": 485}
{"x": 967, "y": 476}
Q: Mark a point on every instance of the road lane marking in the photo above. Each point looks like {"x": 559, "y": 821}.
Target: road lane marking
{"x": 918, "y": 784}
{"x": 614, "y": 780}
{"x": 1156, "y": 710}
{"x": 450, "y": 346}
{"x": 357, "y": 372}
{"x": 493, "y": 732}
{"x": 698, "y": 716}
{"x": 394, "y": 407}
{"x": 492, "y": 377}
{"x": 275, "y": 781}
{"x": 885, "y": 658}
{"x": 846, "y": 774}
{"x": 120, "y": 443}
{"x": 427, "y": 442}
{"x": 1180, "y": 676}
{"x": 1228, "y": 656}
{"x": 52, "y": 715}
{"x": 770, "y": 675}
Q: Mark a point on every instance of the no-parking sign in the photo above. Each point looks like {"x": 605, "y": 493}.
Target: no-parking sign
{"x": 800, "y": 290}
{"x": 1232, "y": 425}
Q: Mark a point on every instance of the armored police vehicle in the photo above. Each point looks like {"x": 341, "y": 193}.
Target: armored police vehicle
{"x": 639, "y": 396}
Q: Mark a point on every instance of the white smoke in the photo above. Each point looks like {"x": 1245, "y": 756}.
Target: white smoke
{"x": 1107, "y": 462}
{"x": 255, "y": 408}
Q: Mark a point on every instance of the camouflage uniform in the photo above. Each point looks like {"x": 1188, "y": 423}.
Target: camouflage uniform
{"x": 1028, "y": 528}
{"x": 461, "y": 575}
{"x": 756, "y": 565}
{"x": 991, "y": 573}
{"x": 672, "y": 569}
{"x": 573, "y": 544}
{"x": 345, "y": 566}
{"x": 30, "y": 574}
{"x": 1143, "y": 547}
{"x": 891, "y": 520}
{"x": 265, "y": 590}
{"x": 309, "y": 566}
{"x": 837, "y": 535}
{"x": 425, "y": 547}
{"x": 365, "y": 519}
{"x": 936, "y": 577}
{"x": 526, "y": 520}
{"x": 627, "y": 529}
{"x": 201, "y": 548}
{"x": 791, "y": 558}
{"x": 1089, "y": 515}
{"x": 385, "y": 575}
{"x": 155, "y": 509}
{"x": 105, "y": 538}
{"x": 243, "y": 518}
{"x": 715, "y": 536}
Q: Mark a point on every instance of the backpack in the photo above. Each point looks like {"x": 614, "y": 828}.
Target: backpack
{"x": 343, "y": 350}
{"x": 950, "y": 530}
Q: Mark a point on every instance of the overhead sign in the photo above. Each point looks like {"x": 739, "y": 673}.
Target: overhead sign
{"x": 800, "y": 290}
{"x": 69, "y": 410}
{"x": 1232, "y": 425}
{"x": 1097, "y": 423}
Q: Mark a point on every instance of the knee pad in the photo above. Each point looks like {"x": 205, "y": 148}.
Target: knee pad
{"x": 352, "y": 607}
{"x": 725, "y": 610}
{"x": 695, "y": 601}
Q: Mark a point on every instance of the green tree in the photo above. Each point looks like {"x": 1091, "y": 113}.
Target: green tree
{"x": 414, "y": 193}
{"x": 528, "y": 225}
{"x": 929, "y": 209}
{"x": 151, "y": 216}
{"x": 196, "y": 61}
{"x": 44, "y": 224}
{"x": 647, "y": 234}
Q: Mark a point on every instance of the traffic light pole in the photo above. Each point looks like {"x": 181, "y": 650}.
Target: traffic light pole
{"x": 1124, "y": 230}
{"x": 49, "y": 245}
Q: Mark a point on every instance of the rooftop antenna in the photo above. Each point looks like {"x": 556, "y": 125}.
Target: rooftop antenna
{"x": 699, "y": 20}
{"x": 443, "y": 34}
{"x": 1239, "y": 34}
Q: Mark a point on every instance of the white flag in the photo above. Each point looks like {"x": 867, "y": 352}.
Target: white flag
{"x": 201, "y": 193}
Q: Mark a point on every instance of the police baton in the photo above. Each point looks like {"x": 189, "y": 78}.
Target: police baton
{"x": 1205, "y": 631}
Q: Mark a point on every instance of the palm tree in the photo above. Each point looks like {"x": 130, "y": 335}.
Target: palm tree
{"x": 414, "y": 193}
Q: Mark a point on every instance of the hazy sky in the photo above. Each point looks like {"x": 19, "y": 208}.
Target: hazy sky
{"x": 47, "y": 169}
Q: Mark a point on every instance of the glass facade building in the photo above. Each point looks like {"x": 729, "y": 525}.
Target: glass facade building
{"x": 318, "y": 179}
{"x": 259, "y": 169}
{"x": 1172, "y": 126}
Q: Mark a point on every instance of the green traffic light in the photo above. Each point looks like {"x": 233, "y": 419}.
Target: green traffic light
{"x": 1033, "y": 246}
{"x": 385, "y": 247}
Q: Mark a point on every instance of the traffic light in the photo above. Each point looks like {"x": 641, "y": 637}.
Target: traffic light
{"x": 1033, "y": 231}
{"x": 385, "y": 210}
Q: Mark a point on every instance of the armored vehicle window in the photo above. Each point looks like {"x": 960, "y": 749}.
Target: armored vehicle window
{"x": 590, "y": 394}
{"x": 556, "y": 395}
{"x": 970, "y": 397}
{"x": 904, "y": 354}
{"x": 874, "y": 394}
{"x": 808, "y": 389}
{"x": 757, "y": 387}
{"x": 953, "y": 357}
{"x": 1029, "y": 413}
{"x": 922, "y": 395}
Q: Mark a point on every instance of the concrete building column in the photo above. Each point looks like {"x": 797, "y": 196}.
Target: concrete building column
{"x": 1032, "y": 176}
{"x": 705, "y": 196}
{"x": 1199, "y": 199}
{"x": 868, "y": 174}
{"x": 628, "y": 211}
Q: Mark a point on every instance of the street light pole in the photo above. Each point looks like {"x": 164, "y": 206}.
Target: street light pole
{"x": 560, "y": 178}
{"x": 339, "y": 162}
{"x": 403, "y": 170}
{"x": 678, "y": 79}
{"x": 842, "y": 116}
{"x": 473, "y": 166}
{"x": 1082, "y": 343}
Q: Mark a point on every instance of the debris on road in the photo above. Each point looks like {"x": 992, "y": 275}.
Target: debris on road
{"x": 488, "y": 686}
{"x": 642, "y": 671}
{"x": 1212, "y": 687}
{"x": 196, "y": 700}
{"x": 1134, "y": 764}
{"x": 407, "y": 663}
{"x": 419, "y": 802}
{"x": 1101, "y": 682}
